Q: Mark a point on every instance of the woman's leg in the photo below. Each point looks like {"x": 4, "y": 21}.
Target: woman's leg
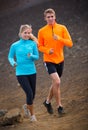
{"x": 32, "y": 80}
{"x": 24, "y": 81}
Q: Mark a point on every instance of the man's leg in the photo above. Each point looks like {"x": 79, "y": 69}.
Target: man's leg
{"x": 50, "y": 94}
{"x": 55, "y": 89}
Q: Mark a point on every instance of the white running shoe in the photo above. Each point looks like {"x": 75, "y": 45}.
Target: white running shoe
{"x": 26, "y": 111}
{"x": 33, "y": 118}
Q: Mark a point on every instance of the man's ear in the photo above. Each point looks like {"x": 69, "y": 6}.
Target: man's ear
{"x": 44, "y": 18}
{"x": 55, "y": 17}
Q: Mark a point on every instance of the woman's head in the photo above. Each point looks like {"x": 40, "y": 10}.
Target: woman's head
{"x": 25, "y": 31}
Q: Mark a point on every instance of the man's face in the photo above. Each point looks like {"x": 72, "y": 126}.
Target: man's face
{"x": 50, "y": 18}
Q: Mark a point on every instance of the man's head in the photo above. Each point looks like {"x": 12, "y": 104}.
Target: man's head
{"x": 50, "y": 16}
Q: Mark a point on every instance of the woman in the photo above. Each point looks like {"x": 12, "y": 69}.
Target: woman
{"x": 22, "y": 55}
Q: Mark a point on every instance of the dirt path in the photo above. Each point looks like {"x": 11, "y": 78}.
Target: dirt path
{"x": 74, "y": 82}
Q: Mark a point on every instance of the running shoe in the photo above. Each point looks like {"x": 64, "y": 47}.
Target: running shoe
{"x": 60, "y": 110}
{"x": 26, "y": 111}
{"x": 33, "y": 118}
{"x": 48, "y": 107}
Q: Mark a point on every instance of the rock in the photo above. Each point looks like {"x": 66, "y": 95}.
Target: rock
{"x": 3, "y": 112}
{"x": 12, "y": 117}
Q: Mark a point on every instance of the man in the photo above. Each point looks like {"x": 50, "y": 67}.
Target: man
{"x": 52, "y": 38}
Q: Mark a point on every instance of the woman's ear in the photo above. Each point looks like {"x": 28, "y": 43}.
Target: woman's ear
{"x": 19, "y": 35}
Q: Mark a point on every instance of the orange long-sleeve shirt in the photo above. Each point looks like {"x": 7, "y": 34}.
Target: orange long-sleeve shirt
{"x": 46, "y": 42}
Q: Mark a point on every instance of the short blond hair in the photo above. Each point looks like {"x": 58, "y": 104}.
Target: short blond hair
{"x": 49, "y": 10}
{"x": 23, "y": 28}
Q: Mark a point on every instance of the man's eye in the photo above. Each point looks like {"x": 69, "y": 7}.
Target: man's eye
{"x": 50, "y": 16}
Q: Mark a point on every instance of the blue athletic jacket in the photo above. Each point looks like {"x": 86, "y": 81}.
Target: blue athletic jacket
{"x": 18, "y": 55}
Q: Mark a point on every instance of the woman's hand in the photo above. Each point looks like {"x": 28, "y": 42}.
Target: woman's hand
{"x": 15, "y": 64}
{"x": 28, "y": 54}
{"x": 31, "y": 36}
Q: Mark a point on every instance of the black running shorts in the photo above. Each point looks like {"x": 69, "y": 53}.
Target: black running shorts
{"x": 52, "y": 67}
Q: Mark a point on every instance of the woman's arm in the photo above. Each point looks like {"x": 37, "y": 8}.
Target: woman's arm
{"x": 11, "y": 56}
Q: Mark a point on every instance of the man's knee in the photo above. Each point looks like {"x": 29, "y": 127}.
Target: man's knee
{"x": 57, "y": 83}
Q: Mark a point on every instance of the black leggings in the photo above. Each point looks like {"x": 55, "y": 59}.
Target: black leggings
{"x": 28, "y": 83}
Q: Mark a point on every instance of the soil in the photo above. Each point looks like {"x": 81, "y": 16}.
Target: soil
{"x": 74, "y": 82}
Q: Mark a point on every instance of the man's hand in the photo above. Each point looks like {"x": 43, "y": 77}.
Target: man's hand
{"x": 56, "y": 37}
{"x": 51, "y": 51}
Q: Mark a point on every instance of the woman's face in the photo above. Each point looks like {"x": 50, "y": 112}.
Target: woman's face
{"x": 26, "y": 34}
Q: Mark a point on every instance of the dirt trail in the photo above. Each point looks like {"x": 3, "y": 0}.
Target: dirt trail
{"x": 74, "y": 82}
